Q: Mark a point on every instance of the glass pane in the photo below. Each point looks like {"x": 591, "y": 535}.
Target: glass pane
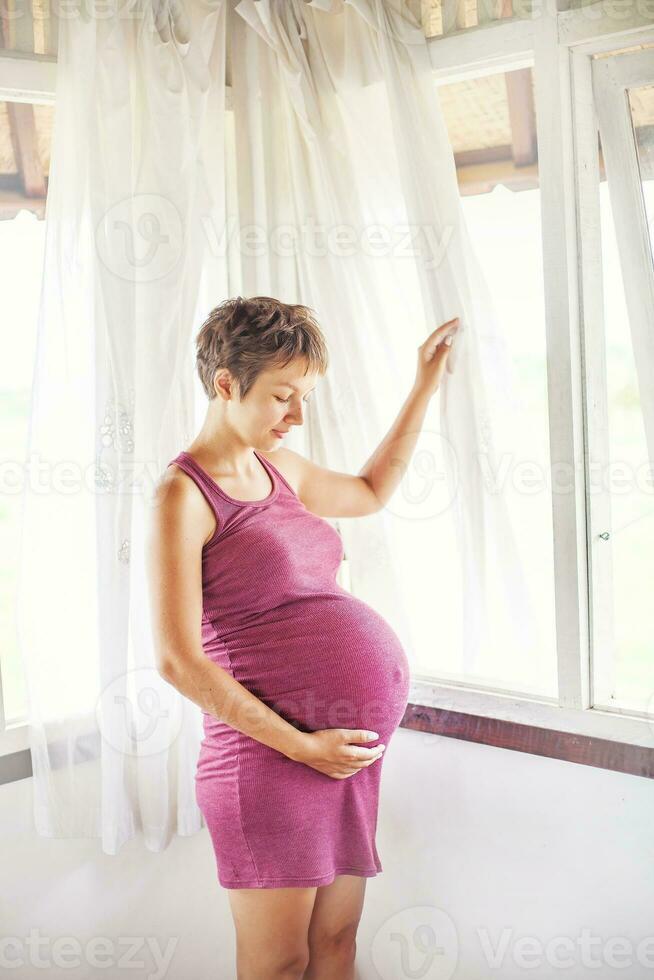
{"x": 21, "y": 257}
{"x": 22, "y": 240}
{"x": 628, "y": 481}
{"x": 641, "y": 105}
{"x": 501, "y": 203}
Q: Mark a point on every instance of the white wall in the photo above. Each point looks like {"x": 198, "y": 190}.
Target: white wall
{"x": 475, "y": 841}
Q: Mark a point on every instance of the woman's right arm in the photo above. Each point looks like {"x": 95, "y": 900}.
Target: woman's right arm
{"x": 179, "y": 523}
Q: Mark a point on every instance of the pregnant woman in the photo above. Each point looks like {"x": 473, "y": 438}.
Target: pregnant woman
{"x": 295, "y": 676}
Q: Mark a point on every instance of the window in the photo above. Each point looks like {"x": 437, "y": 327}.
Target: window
{"x": 623, "y": 667}
{"x": 492, "y": 127}
{"x": 600, "y": 354}
{"x": 25, "y": 130}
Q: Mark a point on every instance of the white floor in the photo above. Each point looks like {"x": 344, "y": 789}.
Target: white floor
{"x": 497, "y": 864}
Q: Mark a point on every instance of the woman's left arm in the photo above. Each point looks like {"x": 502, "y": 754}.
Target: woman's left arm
{"x": 386, "y": 467}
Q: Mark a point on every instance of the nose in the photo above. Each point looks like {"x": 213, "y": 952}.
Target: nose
{"x": 295, "y": 418}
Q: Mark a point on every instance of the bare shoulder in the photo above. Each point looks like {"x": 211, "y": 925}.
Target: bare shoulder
{"x": 173, "y": 486}
{"x": 178, "y": 506}
{"x": 289, "y": 463}
{"x": 325, "y": 492}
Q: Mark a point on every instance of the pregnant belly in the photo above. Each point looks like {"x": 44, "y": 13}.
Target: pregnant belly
{"x": 322, "y": 661}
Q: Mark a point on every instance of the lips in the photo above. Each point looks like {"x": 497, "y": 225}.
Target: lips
{"x": 280, "y": 433}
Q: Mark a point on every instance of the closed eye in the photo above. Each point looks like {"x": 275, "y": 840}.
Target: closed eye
{"x": 287, "y": 400}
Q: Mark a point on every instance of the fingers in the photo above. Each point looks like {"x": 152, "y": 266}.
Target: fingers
{"x": 350, "y": 768}
{"x": 349, "y": 771}
{"x": 342, "y": 759}
{"x": 358, "y": 735}
{"x": 445, "y": 328}
{"x": 365, "y": 764}
{"x": 358, "y": 761}
{"x": 438, "y": 342}
{"x": 359, "y": 752}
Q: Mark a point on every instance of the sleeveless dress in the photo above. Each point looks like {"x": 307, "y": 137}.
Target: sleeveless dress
{"x": 275, "y": 618}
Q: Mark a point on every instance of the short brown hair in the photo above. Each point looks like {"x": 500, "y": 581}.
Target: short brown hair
{"x": 248, "y": 336}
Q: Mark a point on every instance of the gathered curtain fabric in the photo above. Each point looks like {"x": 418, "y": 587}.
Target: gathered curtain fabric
{"x": 260, "y": 147}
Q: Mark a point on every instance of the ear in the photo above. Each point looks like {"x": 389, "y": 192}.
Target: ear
{"x": 222, "y": 384}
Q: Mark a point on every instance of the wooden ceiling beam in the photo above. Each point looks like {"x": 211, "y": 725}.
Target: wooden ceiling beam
{"x": 17, "y": 25}
{"x": 522, "y": 116}
{"x": 12, "y": 199}
{"x": 26, "y": 151}
{"x": 480, "y": 178}
{"x": 483, "y": 154}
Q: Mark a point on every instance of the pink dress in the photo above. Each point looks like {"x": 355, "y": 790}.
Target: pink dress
{"x": 277, "y": 620}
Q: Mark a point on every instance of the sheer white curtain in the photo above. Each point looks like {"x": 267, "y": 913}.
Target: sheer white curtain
{"x": 137, "y": 164}
{"x": 344, "y": 154}
{"x": 338, "y": 182}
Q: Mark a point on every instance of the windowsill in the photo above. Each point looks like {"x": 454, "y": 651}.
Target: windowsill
{"x": 618, "y": 725}
{"x": 15, "y": 739}
{"x": 15, "y": 756}
{"x": 610, "y": 740}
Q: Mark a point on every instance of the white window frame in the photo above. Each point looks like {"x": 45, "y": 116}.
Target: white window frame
{"x": 611, "y": 78}
{"x": 559, "y": 45}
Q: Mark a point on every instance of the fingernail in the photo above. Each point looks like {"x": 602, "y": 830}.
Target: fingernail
{"x": 372, "y": 735}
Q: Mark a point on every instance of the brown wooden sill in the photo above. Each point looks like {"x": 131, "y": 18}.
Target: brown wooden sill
{"x": 637, "y": 760}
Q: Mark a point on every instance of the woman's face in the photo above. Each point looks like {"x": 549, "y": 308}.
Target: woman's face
{"x": 276, "y": 401}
